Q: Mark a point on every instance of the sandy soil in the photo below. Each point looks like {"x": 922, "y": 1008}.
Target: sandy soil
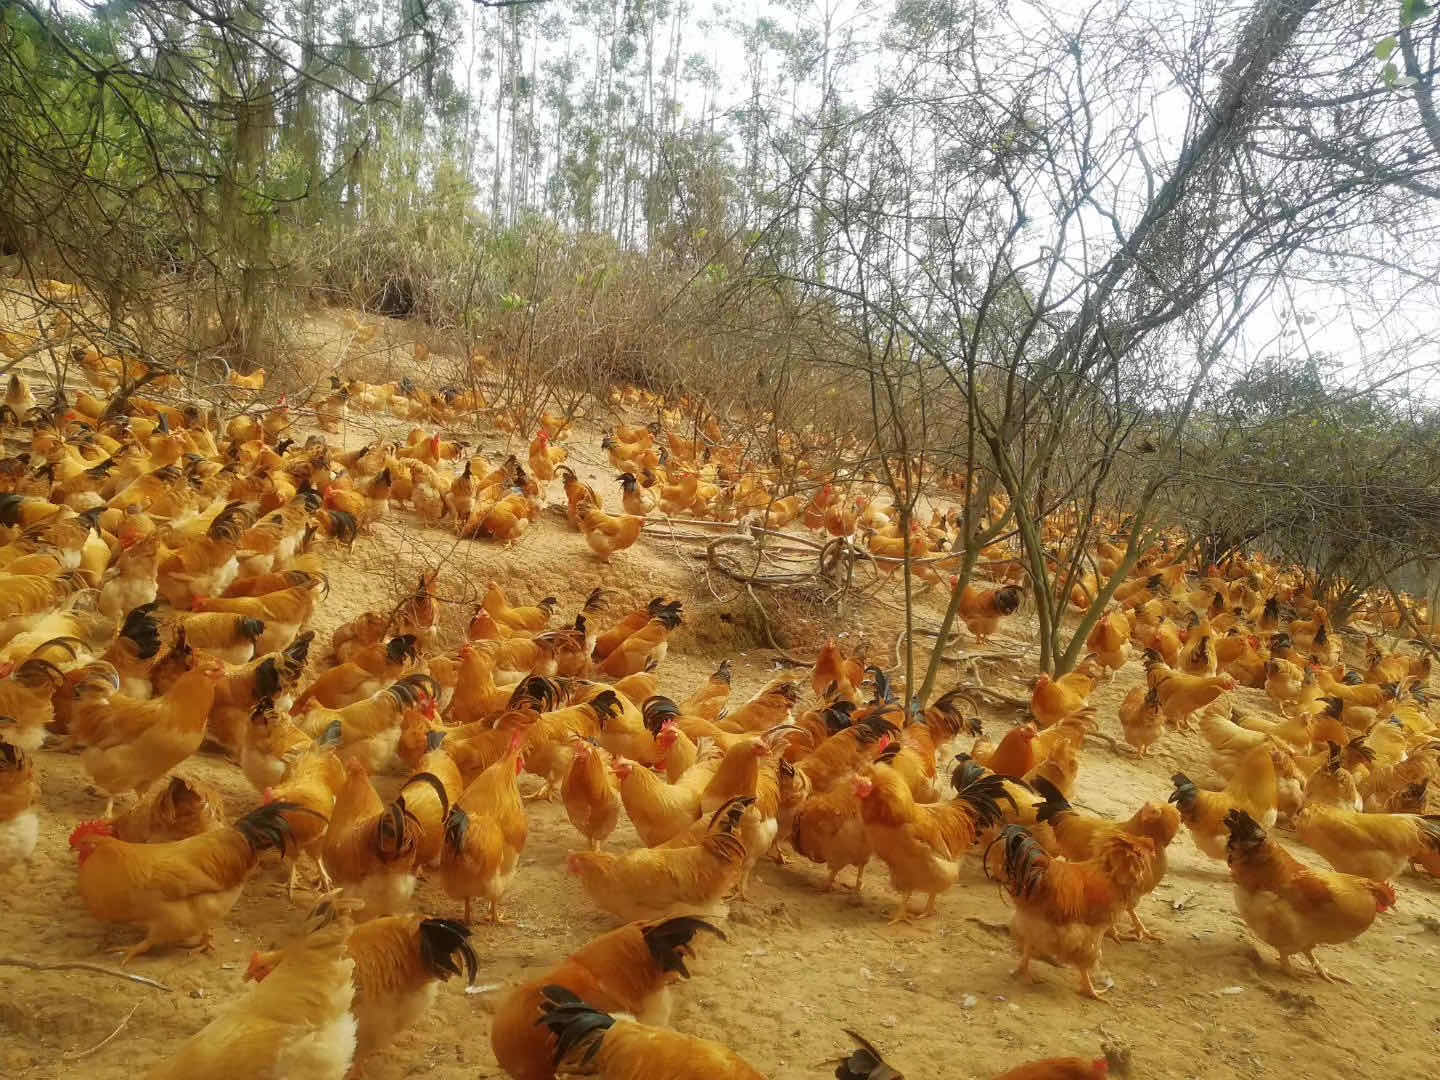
{"x": 799, "y": 966}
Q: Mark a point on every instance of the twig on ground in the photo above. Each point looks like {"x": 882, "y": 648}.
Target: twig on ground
{"x": 76, "y": 1055}
{"x": 80, "y": 965}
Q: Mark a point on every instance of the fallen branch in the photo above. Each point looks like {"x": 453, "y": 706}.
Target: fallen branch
{"x": 76, "y": 1055}
{"x": 80, "y": 965}
{"x": 995, "y": 696}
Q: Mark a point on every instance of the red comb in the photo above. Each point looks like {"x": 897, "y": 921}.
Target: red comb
{"x": 87, "y": 829}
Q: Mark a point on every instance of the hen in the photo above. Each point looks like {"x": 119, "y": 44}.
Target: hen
{"x": 485, "y": 833}
{"x": 1291, "y": 907}
{"x": 590, "y": 1042}
{"x": 400, "y": 960}
{"x": 176, "y": 891}
{"x": 627, "y": 970}
{"x": 295, "y": 1024}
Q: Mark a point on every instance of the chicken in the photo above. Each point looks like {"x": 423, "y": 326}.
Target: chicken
{"x": 485, "y": 833}
{"x": 1284, "y": 683}
{"x": 1291, "y": 907}
{"x": 371, "y": 849}
{"x": 27, "y": 705}
{"x": 544, "y": 457}
{"x": 659, "y": 810}
{"x": 19, "y": 822}
{"x": 1141, "y": 719}
{"x": 364, "y": 674}
{"x": 606, "y": 643}
{"x": 128, "y": 745}
{"x": 921, "y": 844}
{"x": 183, "y": 807}
{"x": 836, "y": 676}
{"x": 607, "y": 534}
{"x": 627, "y": 970}
{"x": 982, "y": 609}
{"x": 312, "y": 782}
{"x": 1110, "y": 640}
{"x": 230, "y": 637}
{"x": 1252, "y": 789}
{"x": 828, "y": 829}
{"x": 284, "y": 613}
{"x": 642, "y": 649}
{"x": 1079, "y": 837}
{"x": 1376, "y": 846}
{"x": 400, "y": 960}
{"x": 176, "y": 891}
{"x": 1064, "y": 909}
{"x": 634, "y": 498}
{"x": 296, "y": 1023}
{"x": 1054, "y": 699}
{"x": 591, "y": 1042}
{"x": 1333, "y": 785}
{"x": 1197, "y": 655}
{"x": 590, "y": 794}
{"x": 579, "y": 498}
{"x": 368, "y": 731}
{"x": 1015, "y": 756}
{"x": 459, "y": 498}
{"x": 205, "y": 565}
{"x": 1179, "y": 694}
{"x": 130, "y": 580}
{"x": 529, "y": 619}
{"x": 657, "y": 882}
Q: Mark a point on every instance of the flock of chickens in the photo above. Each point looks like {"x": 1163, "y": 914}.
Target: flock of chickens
{"x": 157, "y": 578}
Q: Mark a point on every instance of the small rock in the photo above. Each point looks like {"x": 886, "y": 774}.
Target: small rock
{"x": 890, "y": 1021}
{"x": 1230, "y": 991}
{"x": 198, "y": 992}
{"x": 969, "y": 1001}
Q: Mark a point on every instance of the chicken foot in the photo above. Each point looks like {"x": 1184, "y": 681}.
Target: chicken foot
{"x": 1137, "y": 932}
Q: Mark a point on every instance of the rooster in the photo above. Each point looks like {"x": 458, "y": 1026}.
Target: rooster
{"x": 176, "y": 891}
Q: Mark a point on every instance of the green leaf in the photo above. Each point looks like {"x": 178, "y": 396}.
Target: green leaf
{"x": 1384, "y": 47}
{"x": 1389, "y": 73}
{"x": 1410, "y": 10}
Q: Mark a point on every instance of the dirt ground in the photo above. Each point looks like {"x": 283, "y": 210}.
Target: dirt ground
{"x": 799, "y": 966}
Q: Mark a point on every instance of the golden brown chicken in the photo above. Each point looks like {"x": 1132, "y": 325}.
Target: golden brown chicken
{"x": 607, "y": 534}
{"x": 1252, "y": 789}
{"x": 19, "y": 822}
{"x": 183, "y": 807}
{"x": 1376, "y": 846}
{"x": 1291, "y": 907}
{"x": 983, "y": 609}
{"x": 128, "y": 745}
{"x": 529, "y": 619}
{"x": 627, "y": 970}
{"x": 1110, "y": 640}
{"x": 592, "y": 1042}
{"x": 1079, "y": 837}
{"x": 400, "y": 961}
{"x": 644, "y": 648}
{"x": 658, "y": 882}
{"x": 591, "y": 794}
{"x": 370, "y": 848}
{"x": 922, "y": 844}
{"x": 176, "y": 891}
{"x": 1064, "y": 909}
{"x": 485, "y": 833}
{"x": 296, "y": 1023}
{"x": 828, "y": 829}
